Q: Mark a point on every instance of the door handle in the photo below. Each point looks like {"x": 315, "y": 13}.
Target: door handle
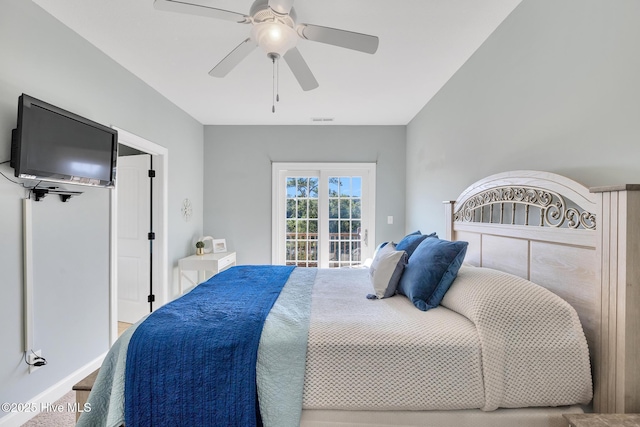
{"x": 366, "y": 237}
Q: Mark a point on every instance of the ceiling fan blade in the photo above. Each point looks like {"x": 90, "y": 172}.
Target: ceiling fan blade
{"x": 281, "y": 6}
{"x": 200, "y": 10}
{"x": 300, "y": 69}
{"x": 234, "y": 58}
{"x": 342, "y": 38}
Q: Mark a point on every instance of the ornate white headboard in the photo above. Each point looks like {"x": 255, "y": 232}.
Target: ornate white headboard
{"x": 582, "y": 244}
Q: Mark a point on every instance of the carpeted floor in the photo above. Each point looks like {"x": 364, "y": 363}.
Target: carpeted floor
{"x": 56, "y": 419}
{"x": 64, "y": 418}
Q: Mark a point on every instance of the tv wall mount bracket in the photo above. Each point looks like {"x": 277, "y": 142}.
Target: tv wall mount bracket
{"x": 41, "y": 193}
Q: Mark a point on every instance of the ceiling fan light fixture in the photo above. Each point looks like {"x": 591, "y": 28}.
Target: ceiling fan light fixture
{"x": 274, "y": 37}
{"x": 274, "y": 29}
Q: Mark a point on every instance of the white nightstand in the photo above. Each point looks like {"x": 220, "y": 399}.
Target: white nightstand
{"x": 213, "y": 263}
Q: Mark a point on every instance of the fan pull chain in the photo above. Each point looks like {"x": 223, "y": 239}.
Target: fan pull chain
{"x": 275, "y": 96}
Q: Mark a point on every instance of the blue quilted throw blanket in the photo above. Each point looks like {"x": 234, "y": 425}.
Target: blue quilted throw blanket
{"x": 193, "y": 361}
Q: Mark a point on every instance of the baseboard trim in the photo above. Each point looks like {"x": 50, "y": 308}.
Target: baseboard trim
{"x": 52, "y": 394}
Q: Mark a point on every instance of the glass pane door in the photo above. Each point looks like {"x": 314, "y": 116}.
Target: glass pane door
{"x": 345, "y": 221}
{"x": 302, "y": 221}
{"x": 323, "y": 217}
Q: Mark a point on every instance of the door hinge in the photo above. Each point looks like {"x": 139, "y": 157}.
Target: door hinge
{"x": 152, "y": 173}
{"x": 151, "y": 236}
{"x": 151, "y": 298}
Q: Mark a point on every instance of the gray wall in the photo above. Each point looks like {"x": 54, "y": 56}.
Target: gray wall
{"x": 237, "y": 199}
{"x": 554, "y": 88}
{"x": 45, "y": 59}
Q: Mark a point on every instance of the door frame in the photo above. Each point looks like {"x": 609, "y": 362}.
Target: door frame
{"x": 160, "y": 156}
{"x": 278, "y": 222}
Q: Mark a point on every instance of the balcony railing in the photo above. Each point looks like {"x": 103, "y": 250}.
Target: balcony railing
{"x": 344, "y": 249}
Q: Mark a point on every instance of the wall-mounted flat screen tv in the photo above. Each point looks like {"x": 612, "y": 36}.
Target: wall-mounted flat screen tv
{"x": 52, "y": 144}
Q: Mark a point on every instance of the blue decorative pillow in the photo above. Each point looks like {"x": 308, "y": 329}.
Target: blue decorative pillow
{"x": 386, "y": 270}
{"x": 431, "y": 271}
{"x": 411, "y": 241}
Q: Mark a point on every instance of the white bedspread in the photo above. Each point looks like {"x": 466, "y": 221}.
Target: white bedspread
{"x": 386, "y": 354}
{"x": 534, "y": 352}
{"x": 495, "y": 343}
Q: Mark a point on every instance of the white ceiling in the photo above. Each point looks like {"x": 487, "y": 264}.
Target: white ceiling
{"x": 422, "y": 44}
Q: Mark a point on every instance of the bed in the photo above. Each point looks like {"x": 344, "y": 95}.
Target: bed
{"x": 474, "y": 359}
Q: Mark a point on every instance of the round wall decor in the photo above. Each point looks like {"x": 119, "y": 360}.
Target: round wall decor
{"x": 186, "y": 209}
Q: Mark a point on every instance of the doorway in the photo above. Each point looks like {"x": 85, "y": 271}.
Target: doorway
{"x": 159, "y": 257}
{"x": 324, "y": 214}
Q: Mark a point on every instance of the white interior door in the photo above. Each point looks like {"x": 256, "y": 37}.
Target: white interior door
{"x": 133, "y": 200}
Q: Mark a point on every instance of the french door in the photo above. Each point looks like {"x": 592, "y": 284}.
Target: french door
{"x": 323, "y": 214}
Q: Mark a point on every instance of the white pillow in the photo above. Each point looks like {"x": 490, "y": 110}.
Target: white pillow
{"x": 386, "y": 269}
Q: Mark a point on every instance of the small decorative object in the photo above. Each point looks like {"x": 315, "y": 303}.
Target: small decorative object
{"x": 186, "y": 209}
{"x": 219, "y": 245}
{"x": 199, "y": 248}
{"x": 208, "y": 244}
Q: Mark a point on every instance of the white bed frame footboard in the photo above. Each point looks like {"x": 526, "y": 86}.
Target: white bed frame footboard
{"x": 582, "y": 244}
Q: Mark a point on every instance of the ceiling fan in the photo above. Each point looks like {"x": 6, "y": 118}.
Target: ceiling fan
{"x": 274, "y": 29}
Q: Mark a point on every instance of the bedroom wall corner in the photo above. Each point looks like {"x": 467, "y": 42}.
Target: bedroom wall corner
{"x": 238, "y": 176}
{"x": 554, "y": 88}
{"x": 71, "y": 282}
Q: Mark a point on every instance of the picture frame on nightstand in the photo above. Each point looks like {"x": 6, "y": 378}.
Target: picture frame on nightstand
{"x": 219, "y": 245}
{"x": 208, "y": 244}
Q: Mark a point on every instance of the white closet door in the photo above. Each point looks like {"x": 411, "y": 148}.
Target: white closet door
{"x": 133, "y": 198}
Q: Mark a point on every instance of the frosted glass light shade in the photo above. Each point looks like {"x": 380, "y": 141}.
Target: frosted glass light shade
{"x": 274, "y": 37}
